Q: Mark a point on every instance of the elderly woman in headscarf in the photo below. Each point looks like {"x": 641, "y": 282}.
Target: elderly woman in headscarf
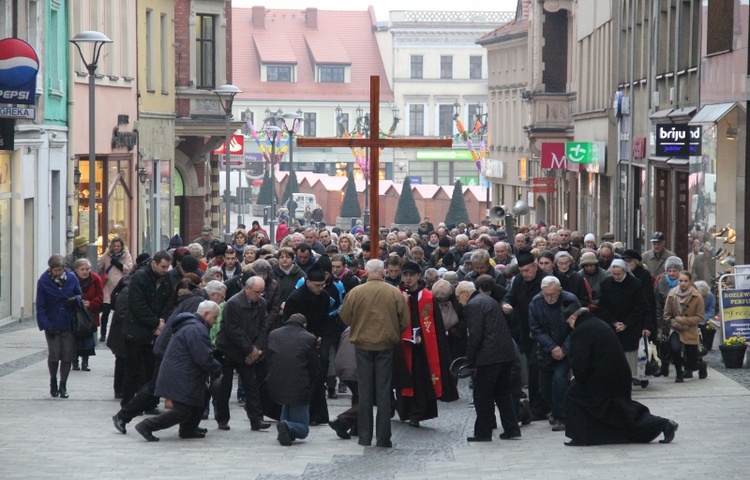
{"x": 683, "y": 311}
{"x": 623, "y": 306}
{"x": 666, "y": 282}
{"x": 453, "y": 318}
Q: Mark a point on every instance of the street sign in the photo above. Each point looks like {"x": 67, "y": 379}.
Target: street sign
{"x": 18, "y": 112}
{"x": 236, "y": 149}
{"x": 544, "y": 189}
{"x": 543, "y": 181}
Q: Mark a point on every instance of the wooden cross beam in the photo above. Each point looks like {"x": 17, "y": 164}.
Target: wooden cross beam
{"x": 374, "y": 143}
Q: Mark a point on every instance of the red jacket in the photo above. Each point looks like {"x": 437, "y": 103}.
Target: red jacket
{"x": 94, "y": 293}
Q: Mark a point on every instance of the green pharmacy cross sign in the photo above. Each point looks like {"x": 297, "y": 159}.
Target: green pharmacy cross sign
{"x": 582, "y": 152}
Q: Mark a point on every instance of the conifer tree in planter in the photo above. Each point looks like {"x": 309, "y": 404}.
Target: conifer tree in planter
{"x": 406, "y": 211}
{"x": 457, "y": 209}
{"x": 292, "y": 186}
{"x": 350, "y": 205}
{"x": 266, "y": 190}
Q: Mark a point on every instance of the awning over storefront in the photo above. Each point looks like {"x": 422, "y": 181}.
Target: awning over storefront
{"x": 710, "y": 114}
{"x": 682, "y": 115}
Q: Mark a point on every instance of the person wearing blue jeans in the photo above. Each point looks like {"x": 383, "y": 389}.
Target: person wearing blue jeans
{"x": 293, "y": 370}
{"x": 548, "y": 314}
{"x": 295, "y": 421}
{"x": 554, "y": 380}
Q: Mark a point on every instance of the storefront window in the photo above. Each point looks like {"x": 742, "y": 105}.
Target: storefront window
{"x": 5, "y": 239}
{"x": 119, "y": 201}
{"x": 84, "y": 190}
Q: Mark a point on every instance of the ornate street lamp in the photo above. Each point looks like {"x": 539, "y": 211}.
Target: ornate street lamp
{"x": 273, "y": 130}
{"x": 97, "y": 41}
{"x": 226, "y": 94}
{"x": 296, "y": 120}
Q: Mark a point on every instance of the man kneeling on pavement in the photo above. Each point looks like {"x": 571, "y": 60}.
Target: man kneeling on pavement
{"x": 187, "y": 363}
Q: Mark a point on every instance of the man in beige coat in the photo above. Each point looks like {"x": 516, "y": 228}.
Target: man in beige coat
{"x": 377, "y": 313}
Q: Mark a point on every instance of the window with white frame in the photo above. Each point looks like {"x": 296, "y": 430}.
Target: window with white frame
{"x": 416, "y": 119}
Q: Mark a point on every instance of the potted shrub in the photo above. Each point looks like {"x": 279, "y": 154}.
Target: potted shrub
{"x": 733, "y": 351}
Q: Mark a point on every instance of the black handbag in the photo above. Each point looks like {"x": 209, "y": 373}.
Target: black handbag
{"x": 83, "y": 322}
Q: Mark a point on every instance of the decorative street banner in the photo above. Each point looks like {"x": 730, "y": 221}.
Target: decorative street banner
{"x": 735, "y": 312}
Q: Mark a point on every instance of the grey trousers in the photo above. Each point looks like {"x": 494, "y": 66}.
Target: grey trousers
{"x": 374, "y": 369}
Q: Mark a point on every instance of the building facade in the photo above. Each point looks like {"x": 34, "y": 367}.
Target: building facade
{"x": 34, "y": 164}
{"x": 115, "y": 129}
{"x": 439, "y": 71}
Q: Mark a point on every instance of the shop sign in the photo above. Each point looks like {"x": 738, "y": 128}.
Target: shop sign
{"x": 7, "y": 133}
{"x": 592, "y": 155}
{"x": 678, "y": 140}
{"x": 444, "y": 154}
{"x": 19, "y": 65}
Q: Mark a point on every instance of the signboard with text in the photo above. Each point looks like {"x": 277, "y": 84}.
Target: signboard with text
{"x": 678, "y": 140}
{"x": 19, "y": 65}
{"x": 735, "y": 312}
{"x": 444, "y": 154}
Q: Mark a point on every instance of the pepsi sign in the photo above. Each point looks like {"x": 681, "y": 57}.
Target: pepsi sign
{"x": 19, "y": 65}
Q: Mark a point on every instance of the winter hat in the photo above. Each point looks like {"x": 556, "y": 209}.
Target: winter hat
{"x": 189, "y": 263}
{"x": 466, "y": 258}
{"x": 175, "y": 241}
{"x": 80, "y": 241}
{"x": 449, "y": 259}
{"x": 324, "y": 262}
{"x": 442, "y": 271}
{"x": 588, "y": 258}
{"x": 524, "y": 257}
{"x": 142, "y": 259}
{"x": 631, "y": 255}
{"x": 316, "y": 273}
{"x": 563, "y": 254}
{"x": 618, "y": 262}
{"x": 412, "y": 266}
{"x": 673, "y": 262}
{"x": 589, "y": 238}
{"x": 444, "y": 242}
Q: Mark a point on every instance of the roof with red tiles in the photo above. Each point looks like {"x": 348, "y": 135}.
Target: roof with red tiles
{"x": 306, "y": 38}
{"x": 510, "y": 29}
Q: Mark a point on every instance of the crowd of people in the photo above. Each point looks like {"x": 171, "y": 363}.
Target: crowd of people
{"x": 549, "y": 324}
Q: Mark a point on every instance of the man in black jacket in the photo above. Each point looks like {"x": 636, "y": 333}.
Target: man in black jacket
{"x": 516, "y": 302}
{"x": 182, "y": 376}
{"x": 313, "y": 301}
{"x": 242, "y": 339}
{"x": 491, "y": 351}
{"x": 149, "y": 305}
{"x": 292, "y": 370}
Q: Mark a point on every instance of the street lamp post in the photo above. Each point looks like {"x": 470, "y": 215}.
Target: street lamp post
{"x": 296, "y": 119}
{"x": 226, "y": 94}
{"x": 273, "y": 129}
{"x": 97, "y": 40}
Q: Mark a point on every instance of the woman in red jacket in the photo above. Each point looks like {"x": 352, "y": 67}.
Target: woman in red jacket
{"x": 93, "y": 295}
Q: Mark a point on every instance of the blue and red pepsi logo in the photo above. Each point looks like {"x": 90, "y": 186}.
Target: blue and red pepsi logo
{"x": 19, "y": 62}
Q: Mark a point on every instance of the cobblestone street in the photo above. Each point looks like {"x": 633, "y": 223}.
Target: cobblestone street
{"x": 51, "y": 438}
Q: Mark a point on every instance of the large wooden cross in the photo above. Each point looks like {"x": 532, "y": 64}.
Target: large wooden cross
{"x": 374, "y": 143}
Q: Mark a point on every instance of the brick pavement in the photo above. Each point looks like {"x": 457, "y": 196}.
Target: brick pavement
{"x": 42, "y": 437}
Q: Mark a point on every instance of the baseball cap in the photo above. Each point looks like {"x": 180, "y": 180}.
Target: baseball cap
{"x": 657, "y": 237}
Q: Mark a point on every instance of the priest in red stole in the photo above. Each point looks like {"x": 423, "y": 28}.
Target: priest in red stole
{"x": 421, "y": 362}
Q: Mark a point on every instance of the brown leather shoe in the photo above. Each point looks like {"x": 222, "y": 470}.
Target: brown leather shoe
{"x": 258, "y": 424}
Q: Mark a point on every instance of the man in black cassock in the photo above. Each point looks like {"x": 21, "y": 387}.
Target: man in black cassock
{"x": 599, "y": 406}
{"x": 421, "y": 372}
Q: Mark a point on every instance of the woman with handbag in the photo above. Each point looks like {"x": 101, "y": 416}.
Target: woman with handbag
{"x": 114, "y": 264}
{"x": 683, "y": 312}
{"x": 664, "y": 284}
{"x": 91, "y": 286}
{"x": 56, "y": 292}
